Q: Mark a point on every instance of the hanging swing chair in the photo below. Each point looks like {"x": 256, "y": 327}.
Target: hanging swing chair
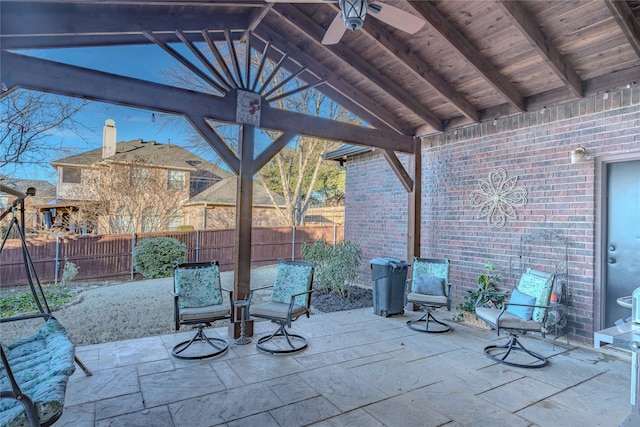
{"x": 35, "y": 369}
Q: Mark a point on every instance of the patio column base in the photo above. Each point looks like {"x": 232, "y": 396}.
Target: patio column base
{"x": 234, "y": 329}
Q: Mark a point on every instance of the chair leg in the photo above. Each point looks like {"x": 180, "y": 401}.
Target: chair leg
{"x": 427, "y": 317}
{"x": 295, "y": 342}
{"x": 499, "y": 353}
{"x": 218, "y": 344}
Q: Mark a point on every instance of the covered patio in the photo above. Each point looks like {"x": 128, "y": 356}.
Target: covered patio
{"x": 359, "y": 369}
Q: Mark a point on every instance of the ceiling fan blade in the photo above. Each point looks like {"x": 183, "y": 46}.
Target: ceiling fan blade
{"x": 395, "y": 17}
{"x": 335, "y": 31}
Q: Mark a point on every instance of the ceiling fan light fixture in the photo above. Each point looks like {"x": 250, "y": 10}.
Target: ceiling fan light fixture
{"x": 353, "y": 13}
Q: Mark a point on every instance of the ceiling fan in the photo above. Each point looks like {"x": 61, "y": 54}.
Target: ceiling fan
{"x": 353, "y": 13}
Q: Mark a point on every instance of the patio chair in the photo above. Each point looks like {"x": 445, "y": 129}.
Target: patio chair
{"x": 525, "y": 311}
{"x": 290, "y": 299}
{"x": 198, "y": 301}
{"x": 429, "y": 289}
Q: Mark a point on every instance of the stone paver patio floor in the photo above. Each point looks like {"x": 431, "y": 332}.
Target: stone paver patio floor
{"x": 360, "y": 369}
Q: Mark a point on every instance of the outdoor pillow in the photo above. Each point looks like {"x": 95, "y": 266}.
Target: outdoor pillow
{"x": 522, "y": 312}
{"x": 428, "y": 285}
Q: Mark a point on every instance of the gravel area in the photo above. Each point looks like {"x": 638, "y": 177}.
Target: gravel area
{"x": 108, "y": 311}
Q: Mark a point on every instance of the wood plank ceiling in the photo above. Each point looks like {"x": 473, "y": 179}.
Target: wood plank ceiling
{"x": 471, "y": 61}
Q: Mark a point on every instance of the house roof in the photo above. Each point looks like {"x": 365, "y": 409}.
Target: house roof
{"x": 343, "y": 153}
{"x": 471, "y": 61}
{"x": 44, "y": 189}
{"x": 149, "y": 152}
{"x": 224, "y": 192}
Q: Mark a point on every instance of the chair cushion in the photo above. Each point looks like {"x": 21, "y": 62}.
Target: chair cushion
{"x": 427, "y": 299}
{"x": 292, "y": 279}
{"x": 507, "y": 320}
{"x": 198, "y": 287}
{"x": 276, "y": 310}
{"x": 428, "y": 285}
{"x": 431, "y": 268}
{"x": 539, "y": 287}
{"x": 522, "y": 312}
{"x": 204, "y": 314}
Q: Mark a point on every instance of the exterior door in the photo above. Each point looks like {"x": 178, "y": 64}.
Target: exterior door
{"x": 623, "y": 237}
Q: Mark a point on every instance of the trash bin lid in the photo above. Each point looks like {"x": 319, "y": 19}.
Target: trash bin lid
{"x": 394, "y": 262}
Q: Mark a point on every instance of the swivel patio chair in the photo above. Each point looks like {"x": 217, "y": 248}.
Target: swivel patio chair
{"x": 525, "y": 311}
{"x": 198, "y": 301}
{"x": 429, "y": 289}
{"x": 290, "y": 299}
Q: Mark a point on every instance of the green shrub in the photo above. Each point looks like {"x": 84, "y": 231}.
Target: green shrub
{"x": 69, "y": 273}
{"x": 24, "y": 302}
{"x": 156, "y": 257}
{"x": 335, "y": 266}
{"x": 485, "y": 294}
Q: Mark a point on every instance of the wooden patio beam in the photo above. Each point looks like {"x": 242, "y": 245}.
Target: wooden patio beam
{"x": 527, "y": 25}
{"x": 315, "y": 33}
{"x": 629, "y": 25}
{"x": 460, "y": 43}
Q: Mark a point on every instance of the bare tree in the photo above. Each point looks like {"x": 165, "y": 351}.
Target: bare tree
{"x": 132, "y": 197}
{"x": 27, "y": 121}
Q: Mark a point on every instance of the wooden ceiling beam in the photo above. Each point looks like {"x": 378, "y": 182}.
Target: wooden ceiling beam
{"x": 527, "y": 25}
{"x": 418, "y": 68}
{"x": 254, "y": 20}
{"x": 629, "y": 25}
{"x": 460, "y": 43}
{"x": 315, "y": 33}
{"x": 339, "y": 90}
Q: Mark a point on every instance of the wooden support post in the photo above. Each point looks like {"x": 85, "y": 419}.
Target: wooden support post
{"x": 414, "y": 211}
{"x": 244, "y": 213}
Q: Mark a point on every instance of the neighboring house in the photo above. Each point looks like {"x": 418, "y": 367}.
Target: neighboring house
{"x": 45, "y": 191}
{"x": 215, "y": 207}
{"x": 133, "y": 186}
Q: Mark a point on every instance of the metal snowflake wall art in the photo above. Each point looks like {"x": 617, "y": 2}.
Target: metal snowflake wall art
{"x": 498, "y": 197}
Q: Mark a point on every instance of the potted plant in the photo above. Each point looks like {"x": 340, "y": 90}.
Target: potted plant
{"x": 485, "y": 294}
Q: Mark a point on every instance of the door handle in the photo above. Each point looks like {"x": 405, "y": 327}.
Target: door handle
{"x": 612, "y": 260}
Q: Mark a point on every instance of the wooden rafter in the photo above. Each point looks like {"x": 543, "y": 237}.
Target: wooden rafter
{"x": 234, "y": 57}
{"x": 53, "y": 77}
{"x": 223, "y": 85}
{"x": 626, "y": 21}
{"x": 315, "y": 33}
{"x": 343, "y": 92}
{"x": 423, "y": 72}
{"x": 221, "y": 62}
{"x": 545, "y": 48}
{"x": 184, "y": 61}
{"x": 255, "y": 20}
{"x": 460, "y": 43}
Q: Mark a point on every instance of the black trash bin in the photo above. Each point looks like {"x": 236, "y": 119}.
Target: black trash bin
{"x": 388, "y": 277}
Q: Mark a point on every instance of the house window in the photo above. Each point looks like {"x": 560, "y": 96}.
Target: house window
{"x": 139, "y": 177}
{"x": 175, "y": 218}
{"x": 175, "y": 180}
{"x": 150, "y": 220}
{"x": 123, "y": 223}
{"x": 71, "y": 175}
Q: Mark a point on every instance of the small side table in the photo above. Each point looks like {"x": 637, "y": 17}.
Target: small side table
{"x": 242, "y": 340}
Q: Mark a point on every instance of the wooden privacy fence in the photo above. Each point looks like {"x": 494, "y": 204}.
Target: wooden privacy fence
{"x": 104, "y": 256}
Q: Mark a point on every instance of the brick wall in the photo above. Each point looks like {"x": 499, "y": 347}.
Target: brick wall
{"x": 534, "y": 147}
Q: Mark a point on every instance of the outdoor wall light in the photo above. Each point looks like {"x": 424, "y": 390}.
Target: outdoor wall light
{"x": 353, "y": 13}
{"x": 578, "y": 155}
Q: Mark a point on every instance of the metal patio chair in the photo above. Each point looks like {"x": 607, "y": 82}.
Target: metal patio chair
{"x": 198, "y": 301}
{"x": 525, "y": 311}
{"x": 290, "y": 299}
{"x": 429, "y": 289}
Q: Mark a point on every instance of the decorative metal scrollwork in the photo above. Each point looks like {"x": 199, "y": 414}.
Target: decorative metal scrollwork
{"x": 498, "y": 197}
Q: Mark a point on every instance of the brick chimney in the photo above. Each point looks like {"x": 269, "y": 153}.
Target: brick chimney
{"x": 109, "y": 139}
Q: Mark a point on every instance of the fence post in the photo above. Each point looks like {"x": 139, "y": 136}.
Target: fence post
{"x": 57, "y": 258}
{"x": 133, "y": 245}
{"x": 197, "y": 245}
{"x": 293, "y": 243}
{"x": 335, "y": 234}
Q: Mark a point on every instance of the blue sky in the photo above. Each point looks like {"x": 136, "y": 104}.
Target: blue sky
{"x": 143, "y": 62}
